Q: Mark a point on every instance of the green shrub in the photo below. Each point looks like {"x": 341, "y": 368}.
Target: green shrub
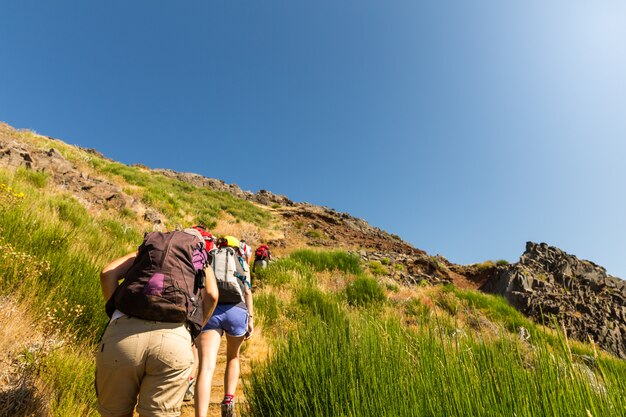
{"x": 502, "y": 262}
{"x": 70, "y": 372}
{"x": 496, "y": 308}
{"x": 317, "y": 303}
{"x": 483, "y": 266}
{"x": 365, "y": 291}
{"x": 314, "y": 234}
{"x": 329, "y": 260}
{"x": 377, "y": 268}
{"x": 448, "y": 301}
{"x": 121, "y": 231}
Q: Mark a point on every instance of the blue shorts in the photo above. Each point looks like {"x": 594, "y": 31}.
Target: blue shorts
{"x": 229, "y": 318}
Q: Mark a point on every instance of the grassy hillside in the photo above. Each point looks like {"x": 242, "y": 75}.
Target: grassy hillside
{"x": 342, "y": 339}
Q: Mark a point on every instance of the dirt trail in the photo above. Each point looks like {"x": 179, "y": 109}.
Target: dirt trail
{"x": 217, "y": 386}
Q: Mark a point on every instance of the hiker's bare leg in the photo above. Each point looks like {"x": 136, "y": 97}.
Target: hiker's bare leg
{"x": 194, "y": 368}
{"x": 231, "y": 376}
{"x": 208, "y": 344}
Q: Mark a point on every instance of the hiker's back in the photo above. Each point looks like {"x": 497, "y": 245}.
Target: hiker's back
{"x": 163, "y": 282}
{"x": 145, "y": 356}
{"x": 230, "y": 273}
{"x": 262, "y": 257}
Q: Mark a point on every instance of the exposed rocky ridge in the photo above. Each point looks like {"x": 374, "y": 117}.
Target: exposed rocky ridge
{"x": 548, "y": 283}
{"x": 322, "y": 226}
{"x": 92, "y": 190}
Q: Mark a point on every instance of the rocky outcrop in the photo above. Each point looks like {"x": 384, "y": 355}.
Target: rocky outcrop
{"x": 201, "y": 181}
{"x": 263, "y": 197}
{"x": 91, "y": 190}
{"x": 548, "y": 284}
{"x": 322, "y": 226}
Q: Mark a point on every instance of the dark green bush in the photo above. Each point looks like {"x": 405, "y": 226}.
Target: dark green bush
{"x": 365, "y": 291}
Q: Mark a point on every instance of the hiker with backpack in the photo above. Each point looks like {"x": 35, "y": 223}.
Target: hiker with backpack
{"x": 262, "y": 257}
{"x": 209, "y": 241}
{"x": 167, "y": 294}
{"x": 233, "y": 316}
{"x": 246, "y": 250}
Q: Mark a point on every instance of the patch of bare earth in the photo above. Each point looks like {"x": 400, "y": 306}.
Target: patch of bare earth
{"x": 255, "y": 349}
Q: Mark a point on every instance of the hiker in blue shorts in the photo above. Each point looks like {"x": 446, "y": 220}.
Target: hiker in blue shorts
{"x": 233, "y": 316}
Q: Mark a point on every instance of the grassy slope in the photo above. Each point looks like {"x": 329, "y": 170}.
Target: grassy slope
{"x": 52, "y": 249}
{"x": 421, "y": 352}
{"x": 342, "y": 343}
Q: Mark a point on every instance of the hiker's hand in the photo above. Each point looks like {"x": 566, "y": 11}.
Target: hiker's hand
{"x": 250, "y": 329}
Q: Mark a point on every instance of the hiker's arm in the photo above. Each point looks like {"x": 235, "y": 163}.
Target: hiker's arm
{"x": 248, "y": 298}
{"x": 113, "y": 272}
{"x": 210, "y": 296}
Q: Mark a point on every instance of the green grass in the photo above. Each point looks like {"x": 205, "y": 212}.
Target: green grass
{"x": 377, "y": 268}
{"x": 496, "y": 308}
{"x": 329, "y": 261}
{"x": 365, "y": 291}
{"x": 51, "y": 252}
{"x": 284, "y": 271}
{"x": 368, "y": 366}
{"x": 269, "y": 307}
{"x": 177, "y": 200}
{"x": 37, "y": 179}
{"x": 70, "y": 371}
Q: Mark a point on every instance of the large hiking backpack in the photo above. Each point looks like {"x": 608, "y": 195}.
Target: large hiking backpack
{"x": 164, "y": 281}
{"x": 262, "y": 253}
{"x": 230, "y": 274}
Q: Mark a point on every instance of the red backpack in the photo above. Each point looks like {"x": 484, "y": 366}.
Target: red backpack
{"x": 164, "y": 281}
{"x": 263, "y": 252}
{"x": 209, "y": 240}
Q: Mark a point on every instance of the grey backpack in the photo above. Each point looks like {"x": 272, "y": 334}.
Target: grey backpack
{"x": 230, "y": 274}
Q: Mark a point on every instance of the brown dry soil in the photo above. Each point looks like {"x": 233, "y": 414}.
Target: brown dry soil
{"x": 217, "y": 386}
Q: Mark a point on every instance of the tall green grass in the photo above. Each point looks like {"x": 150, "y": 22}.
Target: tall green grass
{"x": 342, "y": 361}
{"x": 284, "y": 271}
{"x": 51, "y": 252}
{"x": 328, "y": 260}
{"x": 365, "y": 291}
{"x": 369, "y": 366}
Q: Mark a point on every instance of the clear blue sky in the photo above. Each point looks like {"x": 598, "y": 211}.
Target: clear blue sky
{"x": 467, "y": 128}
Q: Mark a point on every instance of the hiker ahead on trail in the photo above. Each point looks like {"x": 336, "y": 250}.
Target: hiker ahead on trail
{"x": 166, "y": 297}
{"x": 209, "y": 239}
{"x": 262, "y": 257}
{"x": 233, "y": 316}
{"x": 246, "y": 250}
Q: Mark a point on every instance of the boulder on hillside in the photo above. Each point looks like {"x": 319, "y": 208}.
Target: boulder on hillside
{"x": 548, "y": 284}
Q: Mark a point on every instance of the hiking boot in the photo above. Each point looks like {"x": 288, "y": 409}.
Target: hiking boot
{"x": 228, "y": 409}
{"x": 190, "y": 390}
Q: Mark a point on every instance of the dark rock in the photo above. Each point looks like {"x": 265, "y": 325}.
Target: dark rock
{"x": 152, "y": 216}
{"x": 547, "y": 284}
